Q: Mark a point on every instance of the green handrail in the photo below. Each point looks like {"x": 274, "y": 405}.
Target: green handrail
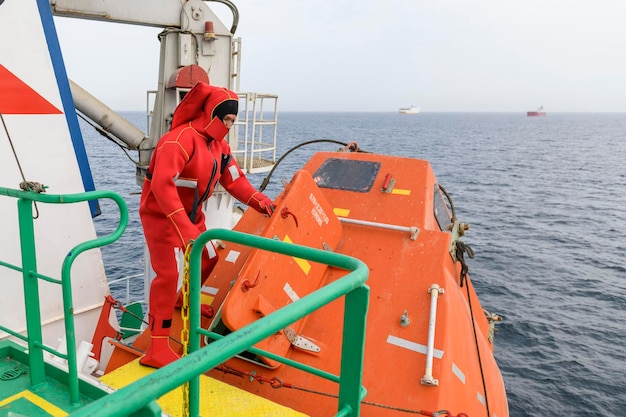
{"x": 188, "y": 369}
{"x": 200, "y": 360}
{"x": 30, "y": 275}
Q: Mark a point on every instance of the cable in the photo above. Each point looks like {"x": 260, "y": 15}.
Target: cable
{"x": 108, "y": 136}
{"x": 25, "y": 185}
{"x": 480, "y": 362}
{"x": 452, "y": 209}
{"x": 266, "y": 180}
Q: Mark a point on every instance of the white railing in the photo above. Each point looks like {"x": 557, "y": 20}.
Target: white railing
{"x": 253, "y": 139}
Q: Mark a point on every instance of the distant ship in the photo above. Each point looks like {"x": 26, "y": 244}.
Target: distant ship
{"x": 538, "y": 112}
{"x": 409, "y": 110}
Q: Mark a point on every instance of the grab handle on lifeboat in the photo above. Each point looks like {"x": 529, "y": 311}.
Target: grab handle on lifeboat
{"x": 284, "y": 213}
{"x": 428, "y": 379}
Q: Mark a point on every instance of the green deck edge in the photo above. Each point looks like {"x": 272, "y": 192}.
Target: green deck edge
{"x": 54, "y": 390}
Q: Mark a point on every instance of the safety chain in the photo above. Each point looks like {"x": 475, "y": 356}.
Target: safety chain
{"x": 276, "y": 383}
{"x": 253, "y": 376}
{"x": 184, "y": 310}
{"x": 184, "y": 314}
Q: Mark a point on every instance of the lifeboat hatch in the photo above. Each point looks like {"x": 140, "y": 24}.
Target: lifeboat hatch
{"x": 347, "y": 175}
{"x": 218, "y": 326}
{"x": 269, "y": 281}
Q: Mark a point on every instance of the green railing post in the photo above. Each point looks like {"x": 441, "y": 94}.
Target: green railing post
{"x": 356, "y": 303}
{"x": 31, "y": 290}
{"x": 351, "y": 375}
{"x": 195, "y": 269}
{"x": 31, "y": 278}
{"x": 66, "y": 279}
{"x": 131, "y": 398}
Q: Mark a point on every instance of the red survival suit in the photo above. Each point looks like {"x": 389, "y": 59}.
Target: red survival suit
{"x": 186, "y": 165}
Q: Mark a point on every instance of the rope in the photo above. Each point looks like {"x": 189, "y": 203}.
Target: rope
{"x": 352, "y": 146}
{"x": 32, "y": 186}
{"x": 24, "y": 183}
{"x": 480, "y": 362}
{"x": 492, "y": 319}
{"x": 461, "y": 249}
{"x": 115, "y": 304}
{"x": 278, "y": 383}
{"x": 112, "y": 139}
{"x": 452, "y": 209}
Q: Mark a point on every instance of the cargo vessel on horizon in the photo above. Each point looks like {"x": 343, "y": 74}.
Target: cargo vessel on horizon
{"x": 538, "y": 112}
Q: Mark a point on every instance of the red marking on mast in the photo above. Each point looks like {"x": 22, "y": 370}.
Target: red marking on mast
{"x": 17, "y": 97}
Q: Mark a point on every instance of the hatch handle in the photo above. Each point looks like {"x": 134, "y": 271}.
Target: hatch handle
{"x": 388, "y": 183}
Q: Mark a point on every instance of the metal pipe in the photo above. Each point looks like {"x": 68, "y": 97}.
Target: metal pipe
{"x": 105, "y": 117}
{"x": 428, "y": 379}
{"x": 412, "y": 230}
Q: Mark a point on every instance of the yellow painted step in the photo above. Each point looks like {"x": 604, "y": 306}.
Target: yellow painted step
{"x": 224, "y": 400}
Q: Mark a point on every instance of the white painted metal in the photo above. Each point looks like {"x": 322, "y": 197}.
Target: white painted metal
{"x": 155, "y": 13}
{"x": 412, "y": 230}
{"x": 105, "y": 117}
{"x": 40, "y": 146}
{"x": 254, "y": 141}
{"x": 428, "y": 379}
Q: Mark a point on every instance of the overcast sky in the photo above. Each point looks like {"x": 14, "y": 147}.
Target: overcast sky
{"x": 340, "y": 55}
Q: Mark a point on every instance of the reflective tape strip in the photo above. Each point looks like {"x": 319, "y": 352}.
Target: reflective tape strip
{"x": 458, "y": 372}
{"x": 291, "y": 292}
{"x": 211, "y": 249}
{"x": 209, "y": 290}
{"x": 341, "y": 212}
{"x": 232, "y": 256}
{"x": 400, "y": 191}
{"x": 185, "y": 183}
{"x": 302, "y": 263}
{"x": 234, "y": 172}
{"x": 416, "y": 347}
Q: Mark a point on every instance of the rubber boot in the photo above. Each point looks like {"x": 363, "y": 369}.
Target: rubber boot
{"x": 159, "y": 352}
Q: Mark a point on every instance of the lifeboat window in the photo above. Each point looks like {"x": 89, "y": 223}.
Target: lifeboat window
{"x": 349, "y": 175}
{"x": 441, "y": 209}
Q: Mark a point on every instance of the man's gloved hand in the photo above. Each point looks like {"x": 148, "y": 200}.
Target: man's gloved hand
{"x": 261, "y": 203}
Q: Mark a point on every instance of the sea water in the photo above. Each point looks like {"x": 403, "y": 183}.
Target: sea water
{"x": 545, "y": 198}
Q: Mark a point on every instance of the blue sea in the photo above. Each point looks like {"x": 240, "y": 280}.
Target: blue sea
{"x": 545, "y": 198}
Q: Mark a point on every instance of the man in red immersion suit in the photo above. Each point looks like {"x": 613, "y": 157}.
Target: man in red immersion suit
{"x": 187, "y": 163}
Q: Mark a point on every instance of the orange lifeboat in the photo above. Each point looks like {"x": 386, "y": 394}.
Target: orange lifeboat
{"x": 428, "y": 342}
{"x": 390, "y": 213}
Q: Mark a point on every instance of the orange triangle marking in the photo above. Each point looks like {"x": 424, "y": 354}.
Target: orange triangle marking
{"x": 16, "y": 97}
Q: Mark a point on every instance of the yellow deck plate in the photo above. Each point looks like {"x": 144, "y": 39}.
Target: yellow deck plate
{"x": 223, "y": 401}
{"x": 47, "y": 407}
